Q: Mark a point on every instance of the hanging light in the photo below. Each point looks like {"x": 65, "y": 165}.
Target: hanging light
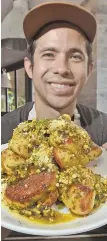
{"x": 5, "y": 80}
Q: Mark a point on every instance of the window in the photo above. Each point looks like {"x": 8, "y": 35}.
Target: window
{"x": 20, "y": 77}
{"x": 14, "y": 97}
{"x": 3, "y": 100}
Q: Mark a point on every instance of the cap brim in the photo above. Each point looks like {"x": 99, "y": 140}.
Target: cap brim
{"x": 42, "y": 14}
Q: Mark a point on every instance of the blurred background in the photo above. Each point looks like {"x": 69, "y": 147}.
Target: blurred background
{"x": 16, "y": 87}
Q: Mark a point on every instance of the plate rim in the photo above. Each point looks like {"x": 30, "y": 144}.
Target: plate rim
{"x": 52, "y": 232}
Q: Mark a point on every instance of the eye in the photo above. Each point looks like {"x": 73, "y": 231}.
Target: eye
{"x": 76, "y": 57}
{"x": 48, "y": 55}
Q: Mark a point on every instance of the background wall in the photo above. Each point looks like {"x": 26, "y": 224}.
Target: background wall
{"x": 95, "y": 92}
{"x": 101, "y": 14}
{"x": 89, "y": 93}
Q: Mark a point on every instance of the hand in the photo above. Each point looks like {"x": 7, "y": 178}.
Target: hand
{"x": 105, "y": 146}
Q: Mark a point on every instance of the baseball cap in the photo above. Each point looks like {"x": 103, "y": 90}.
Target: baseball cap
{"x": 49, "y": 12}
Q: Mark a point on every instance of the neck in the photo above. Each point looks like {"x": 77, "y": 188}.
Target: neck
{"x": 44, "y": 110}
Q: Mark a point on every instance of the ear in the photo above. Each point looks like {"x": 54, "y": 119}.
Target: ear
{"x": 28, "y": 67}
{"x": 90, "y": 68}
{"x": 89, "y": 71}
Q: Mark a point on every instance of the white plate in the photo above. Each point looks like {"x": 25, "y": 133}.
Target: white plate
{"x": 95, "y": 220}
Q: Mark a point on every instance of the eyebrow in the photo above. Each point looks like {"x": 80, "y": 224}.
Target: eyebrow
{"x": 49, "y": 49}
{"x": 71, "y": 50}
{"x": 74, "y": 50}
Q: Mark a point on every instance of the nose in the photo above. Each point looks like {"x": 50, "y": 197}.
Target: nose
{"x": 61, "y": 67}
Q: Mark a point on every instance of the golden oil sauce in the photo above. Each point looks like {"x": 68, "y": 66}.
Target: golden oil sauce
{"x": 59, "y": 217}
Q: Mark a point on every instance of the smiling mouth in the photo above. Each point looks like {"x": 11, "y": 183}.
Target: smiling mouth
{"x": 61, "y": 86}
{"x": 63, "y": 89}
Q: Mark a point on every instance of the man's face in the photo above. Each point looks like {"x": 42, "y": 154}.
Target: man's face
{"x": 60, "y": 66}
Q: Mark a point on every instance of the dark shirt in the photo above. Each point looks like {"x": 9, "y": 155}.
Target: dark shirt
{"x": 93, "y": 121}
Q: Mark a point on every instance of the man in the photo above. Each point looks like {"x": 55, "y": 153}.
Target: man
{"x": 59, "y": 61}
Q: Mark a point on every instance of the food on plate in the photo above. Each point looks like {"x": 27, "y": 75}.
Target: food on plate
{"x": 11, "y": 161}
{"x": 36, "y": 187}
{"x": 68, "y": 155}
{"x": 71, "y": 144}
{"x": 79, "y": 199}
{"x": 45, "y": 164}
{"x": 81, "y": 190}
